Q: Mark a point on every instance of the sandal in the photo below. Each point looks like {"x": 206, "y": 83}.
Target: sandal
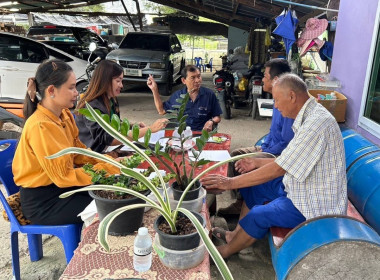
{"x": 219, "y": 234}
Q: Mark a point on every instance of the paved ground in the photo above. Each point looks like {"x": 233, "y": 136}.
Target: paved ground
{"x": 137, "y": 105}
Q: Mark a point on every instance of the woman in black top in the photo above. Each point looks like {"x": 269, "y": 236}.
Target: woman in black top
{"x": 105, "y": 85}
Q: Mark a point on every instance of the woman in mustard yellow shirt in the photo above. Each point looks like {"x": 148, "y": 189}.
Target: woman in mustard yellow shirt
{"x": 50, "y": 127}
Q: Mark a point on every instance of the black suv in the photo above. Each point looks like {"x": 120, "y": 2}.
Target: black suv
{"x": 72, "y": 40}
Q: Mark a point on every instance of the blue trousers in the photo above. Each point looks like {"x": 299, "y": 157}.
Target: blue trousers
{"x": 269, "y": 207}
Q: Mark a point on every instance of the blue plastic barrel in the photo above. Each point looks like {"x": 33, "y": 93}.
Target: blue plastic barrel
{"x": 324, "y": 247}
{"x": 356, "y": 146}
{"x": 363, "y": 184}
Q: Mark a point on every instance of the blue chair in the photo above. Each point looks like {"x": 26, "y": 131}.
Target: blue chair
{"x": 68, "y": 234}
{"x": 198, "y": 62}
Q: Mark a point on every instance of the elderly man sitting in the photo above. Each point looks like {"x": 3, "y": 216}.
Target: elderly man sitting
{"x": 313, "y": 166}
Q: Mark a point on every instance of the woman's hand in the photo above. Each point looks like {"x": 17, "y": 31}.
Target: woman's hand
{"x": 245, "y": 165}
{"x": 158, "y": 125}
{"x": 216, "y": 181}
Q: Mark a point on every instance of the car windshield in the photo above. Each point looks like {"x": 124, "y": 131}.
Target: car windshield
{"x": 151, "y": 42}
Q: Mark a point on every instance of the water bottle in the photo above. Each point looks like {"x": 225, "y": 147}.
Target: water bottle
{"x": 188, "y": 134}
{"x": 142, "y": 251}
{"x": 176, "y": 134}
{"x": 176, "y": 142}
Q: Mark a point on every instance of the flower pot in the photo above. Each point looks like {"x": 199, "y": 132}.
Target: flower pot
{"x": 194, "y": 205}
{"x": 179, "y": 242}
{"x": 190, "y": 195}
{"x": 184, "y": 259}
{"x": 127, "y": 222}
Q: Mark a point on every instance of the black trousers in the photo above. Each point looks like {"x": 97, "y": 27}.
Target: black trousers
{"x": 44, "y": 207}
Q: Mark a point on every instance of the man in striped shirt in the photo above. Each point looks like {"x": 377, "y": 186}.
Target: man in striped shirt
{"x": 313, "y": 166}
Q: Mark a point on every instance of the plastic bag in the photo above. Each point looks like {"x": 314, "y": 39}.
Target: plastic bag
{"x": 243, "y": 83}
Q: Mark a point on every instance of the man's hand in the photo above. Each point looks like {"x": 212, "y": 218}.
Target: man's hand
{"x": 142, "y": 125}
{"x": 151, "y": 83}
{"x": 246, "y": 165}
{"x": 215, "y": 181}
{"x": 208, "y": 126}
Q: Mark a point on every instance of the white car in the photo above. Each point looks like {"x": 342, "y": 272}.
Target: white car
{"x": 19, "y": 59}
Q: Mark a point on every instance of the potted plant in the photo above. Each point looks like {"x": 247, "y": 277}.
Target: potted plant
{"x": 119, "y": 129}
{"x": 183, "y": 176}
{"x": 108, "y": 201}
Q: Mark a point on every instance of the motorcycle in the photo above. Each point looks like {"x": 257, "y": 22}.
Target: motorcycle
{"x": 235, "y": 87}
{"x": 82, "y": 87}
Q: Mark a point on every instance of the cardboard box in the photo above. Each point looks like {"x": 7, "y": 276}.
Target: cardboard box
{"x": 336, "y": 107}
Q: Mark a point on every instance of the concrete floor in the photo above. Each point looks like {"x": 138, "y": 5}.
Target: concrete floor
{"x": 137, "y": 105}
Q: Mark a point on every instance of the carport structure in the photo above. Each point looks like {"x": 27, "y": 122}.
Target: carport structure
{"x": 243, "y": 14}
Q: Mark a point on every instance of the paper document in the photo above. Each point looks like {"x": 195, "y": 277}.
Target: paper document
{"x": 219, "y": 155}
{"x": 111, "y": 148}
{"x": 157, "y": 136}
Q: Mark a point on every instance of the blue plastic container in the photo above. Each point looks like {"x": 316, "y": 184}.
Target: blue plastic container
{"x": 356, "y": 146}
{"x": 318, "y": 240}
{"x": 363, "y": 184}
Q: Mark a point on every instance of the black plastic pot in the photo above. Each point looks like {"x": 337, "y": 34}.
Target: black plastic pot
{"x": 190, "y": 195}
{"x": 179, "y": 242}
{"x": 127, "y": 222}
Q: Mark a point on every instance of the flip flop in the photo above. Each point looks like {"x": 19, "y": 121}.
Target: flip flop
{"x": 219, "y": 234}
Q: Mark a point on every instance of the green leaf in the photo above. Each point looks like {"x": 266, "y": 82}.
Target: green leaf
{"x": 199, "y": 143}
{"x": 85, "y": 112}
{"x": 135, "y": 132}
{"x": 106, "y": 118}
{"x": 157, "y": 147}
{"x": 115, "y": 122}
{"x": 176, "y": 106}
{"x": 147, "y": 136}
{"x": 202, "y": 162}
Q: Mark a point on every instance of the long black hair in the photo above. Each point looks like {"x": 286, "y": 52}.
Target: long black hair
{"x": 51, "y": 72}
{"x": 101, "y": 83}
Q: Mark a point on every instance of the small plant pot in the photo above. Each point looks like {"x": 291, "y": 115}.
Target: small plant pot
{"x": 190, "y": 195}
{"x": 127, "y": 222}
{"x": 179, "y": 242}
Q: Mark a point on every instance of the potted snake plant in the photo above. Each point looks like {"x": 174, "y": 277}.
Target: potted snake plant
{"x": 119, "y": 129}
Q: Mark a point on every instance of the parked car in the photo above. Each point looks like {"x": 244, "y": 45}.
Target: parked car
{"x": 72, "y": 40}
{"x": 19, "y": 59}
{"x": 158, "y": 54}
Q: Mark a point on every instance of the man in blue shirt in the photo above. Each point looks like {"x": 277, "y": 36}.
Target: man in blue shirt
{"x": 280, "y": 132}
{"x": 203, "y": 108}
